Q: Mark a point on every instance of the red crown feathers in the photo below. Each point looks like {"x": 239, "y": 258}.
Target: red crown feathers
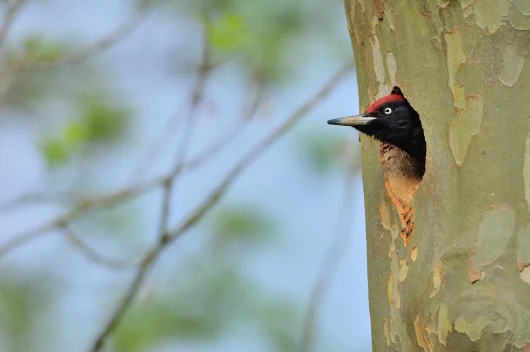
{"x": 395, "y": 96}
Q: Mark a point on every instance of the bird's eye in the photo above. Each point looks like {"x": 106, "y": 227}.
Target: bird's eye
{"x": 388, "y": 111}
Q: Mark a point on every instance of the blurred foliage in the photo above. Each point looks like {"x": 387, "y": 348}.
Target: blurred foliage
{"x": 38, "y": 49}
{"x": 242, "y": 224}
{"x": 265, "y": 37}
{"x": 55, "y": 151}
{"x": 281, "y": 321}
{"x": 229, "y": 33}
{"x": 217, "y": 300}
{"x": 26, "y": 85}
{"x": 99, "y": 121}
{"x": 321, "y": 151}
{"x": 23, "y": 299}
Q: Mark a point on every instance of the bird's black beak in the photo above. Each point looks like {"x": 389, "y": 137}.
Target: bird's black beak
{"x": 352, "y": 121}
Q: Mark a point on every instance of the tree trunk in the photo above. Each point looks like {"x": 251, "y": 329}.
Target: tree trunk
{"x": 461, "y": 280}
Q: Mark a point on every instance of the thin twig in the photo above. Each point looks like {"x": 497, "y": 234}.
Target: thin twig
{"x": 35, "y": 197}
{"x": 112, "y": 199}
{"x": 197, "y": 97}
{"x": 97, "y": 47}
{"x": 205, "y": 69}
{"x": 81, "y": 209}
{"x": 224, "y": 140}
{"x": 19, "y": 65}
{"x": 214, "y": 197}
{"x": 138, "y": 189}
{"x": 15, "y": 67}
{"x": 256, "y": 152}
{"x": 128, "y": 297}
{"x": 330, "y": 263}
{"x": 12, "y": 10}
{"x": 93, "y": 255}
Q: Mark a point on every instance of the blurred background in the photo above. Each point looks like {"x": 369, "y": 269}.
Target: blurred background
{"x": 180, "y": 146}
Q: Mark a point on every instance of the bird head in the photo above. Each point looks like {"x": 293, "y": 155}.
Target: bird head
{"x": 390, "y": 119}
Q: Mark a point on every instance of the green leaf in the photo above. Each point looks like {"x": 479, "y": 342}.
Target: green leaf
{"x": 228, "y": 33}
{"x": 321, "y": 152}
{"x": 204, "y": 309}
{"x": 279, "y": 320}
{"x": 242, "y": 224}
{"x": 24, "y": 300}
{"x": 75, "y": 133}
{"x": 102, "y": 121}
{"x": 55, "y": 152}
{"x": 40, "y": 50}
{"x": 149, "y": 323}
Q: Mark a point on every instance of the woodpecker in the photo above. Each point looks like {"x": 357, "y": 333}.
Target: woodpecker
{"x": 391, "y": 119}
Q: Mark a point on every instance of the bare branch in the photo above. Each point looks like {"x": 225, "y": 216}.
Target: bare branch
{"x": 95, "y": 257}
{"x": 195, "y": 99}
{"x": 209, "y": 202}
{"x": 168, "y": 186}
{"x": 15, "y": 67}
{"x": 119, "y": 196}
{"x": 79, "y": 210}
{"x": 85, "y": 52}
{"x": 128, "y": 297}
{"x": 256, "y": 152}
{"x": 13, "y": 9}
{"x": 33, "y": 198}
{"x": 224, "y": 140}
{"x": 331, "y": 261}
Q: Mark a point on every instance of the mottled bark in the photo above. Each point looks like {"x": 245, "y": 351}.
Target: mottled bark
{"x": 462, "y": 282}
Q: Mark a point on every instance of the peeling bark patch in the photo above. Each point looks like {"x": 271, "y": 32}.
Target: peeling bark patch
{"x": 414, "y": 254}
{"x": 522, "y": 244}
{"x": 442, "y": 3}
{"x": 403, "y": 269}
{"x": 444, "y": 324}
{"x": 525, "y": 274}
{"x": 513, "y": 65}
{"x": 522, "y": 265}
{"x": 379, "y": 8}
{"x": 386, "y": 221}
{"x": 391, "y": 64}
{"x": 419, "y": 328}
{"x": 379, "y": 68}
{"x": 421, "y": 331}
{"x": 390, "y": 18}
{"x": 438, "y": 278}
{"x": 464, "y": 126}
{"x": 393, "y": 293}
{"x": 374, "y": 23}
{"x": 455, "y": 58}
{"x": 490, "y": 13}
{"x": 384, "y": 215}
{"x": 495, "y": 231}
{"x": 526, "y": 170}
{"x": 518, "y": 20}
{"x": 474, "y": 274}
{"x": 386, "y": 330}
{"x": 472, "y": 328}
{"x": 361, "y": 2}
{"x": 522, "y": 6}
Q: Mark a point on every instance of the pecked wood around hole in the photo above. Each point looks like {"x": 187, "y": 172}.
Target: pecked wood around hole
{"x": 402, "y": 176}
